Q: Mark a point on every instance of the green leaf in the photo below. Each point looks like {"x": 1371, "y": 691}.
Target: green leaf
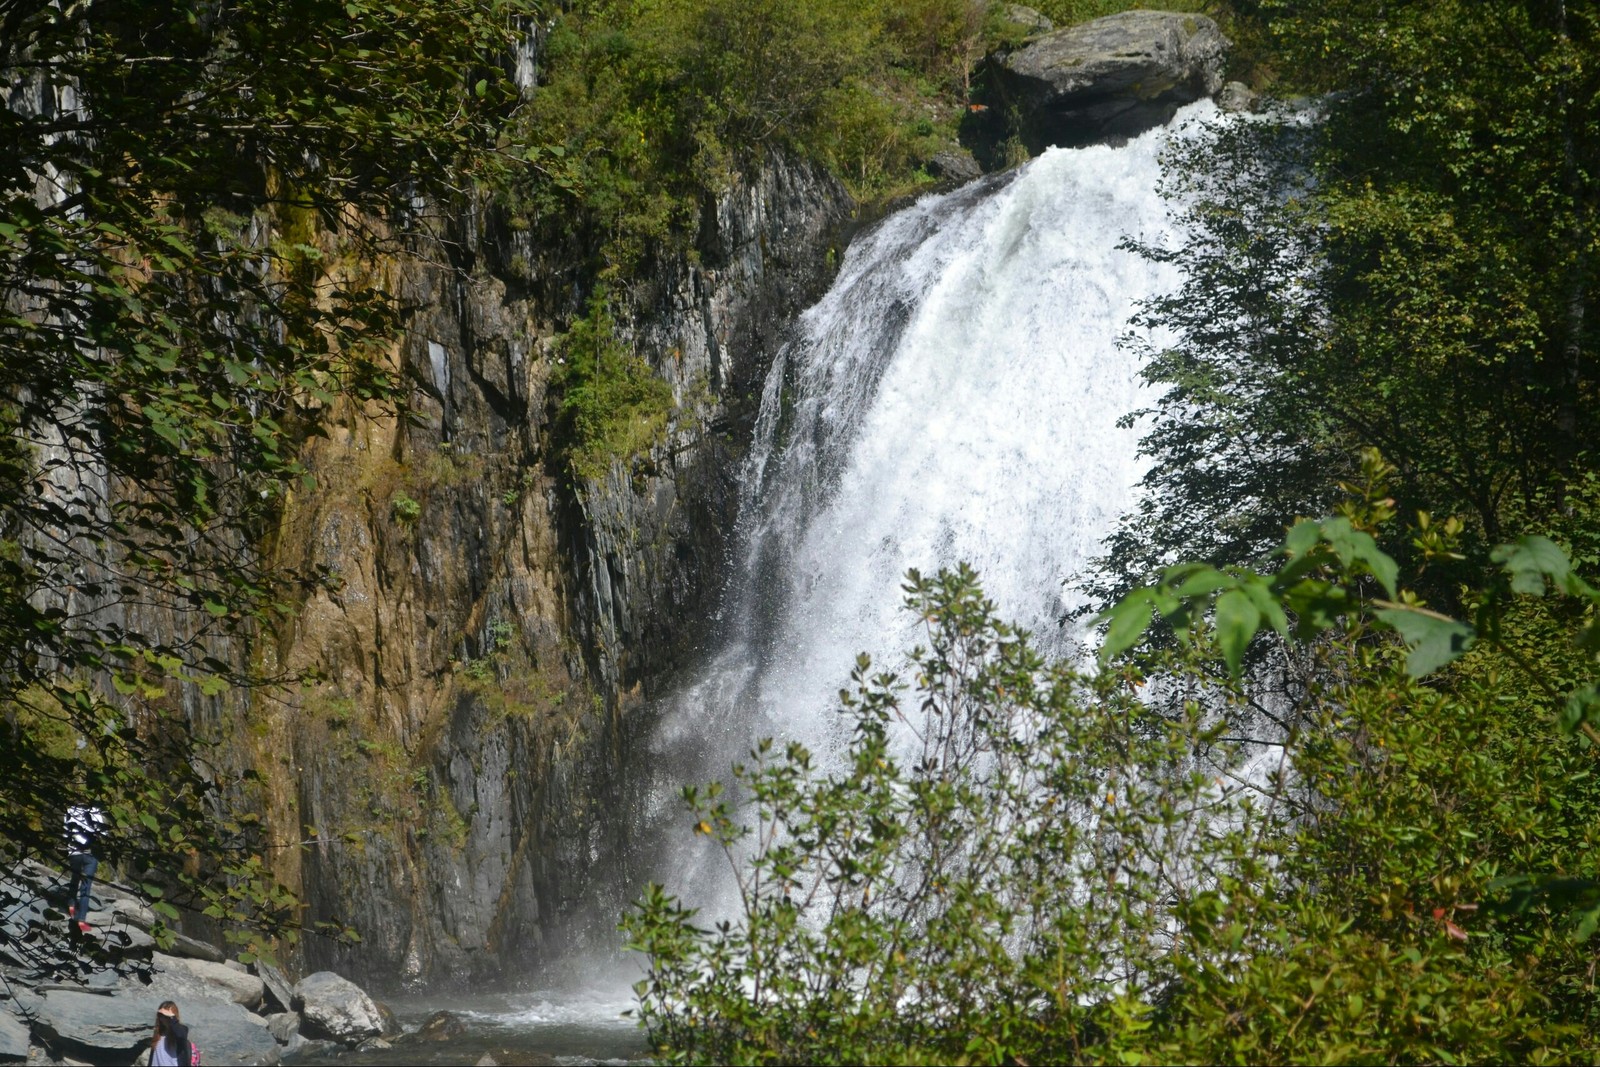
{"x": 1237, "y": 620}
{"x": 1433, "y": 641}
{"x": 1203, "y": 582}
{"x": 1302, "y": 538}
{"x": 1530, "y": 561}
{"x": 1581, "y": 706}
{"x": 1259, "y": 591}
{"x": 1128, "y": 619}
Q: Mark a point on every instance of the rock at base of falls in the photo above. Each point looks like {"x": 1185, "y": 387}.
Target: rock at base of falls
{"x": 336, "y": 1008}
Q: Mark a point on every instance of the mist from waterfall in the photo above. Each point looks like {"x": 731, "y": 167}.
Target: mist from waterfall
{"x": 954, "y": 397}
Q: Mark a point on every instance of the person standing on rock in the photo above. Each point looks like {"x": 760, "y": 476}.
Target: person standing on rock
{"x": 170, "y": 1046}
{"x": 84, "y": 824}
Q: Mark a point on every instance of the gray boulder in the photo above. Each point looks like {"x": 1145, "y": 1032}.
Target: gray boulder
{"x": 334, "y": 1007}
{"x": 1031, "y": 21}
{"x": 284, "y": 1026}
{"x": 280, "y": 995}
{"x": 13, "y": 1039}
{"x": 187, "y": 947}
{"x": 101, "y": 1029}
{"x": 1237, "y": 96}
{"x": 954, "y": 165}
{"x": 1111, "y": 78}
{"x": 208, "y": 979}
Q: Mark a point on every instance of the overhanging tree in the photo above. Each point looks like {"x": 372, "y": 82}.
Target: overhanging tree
{"x": 190, "y": 194}
{"x": 1409, "y": 270}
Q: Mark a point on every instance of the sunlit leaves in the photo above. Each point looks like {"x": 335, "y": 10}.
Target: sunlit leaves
{"x": 1241, "y": 602}
{"x": 1434, "y": 641}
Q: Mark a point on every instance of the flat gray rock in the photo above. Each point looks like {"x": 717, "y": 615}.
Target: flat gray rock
{"x": 1110, "y": 78}
{"x": 214, "y": 979}
{"x": 116, "y": 1029}
{"x": 284, "y": 1026}
{"x": 14, "y": 1039}
{"x": 187, "y": 947}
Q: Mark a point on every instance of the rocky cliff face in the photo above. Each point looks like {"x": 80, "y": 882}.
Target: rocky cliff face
{"x": 493, "y": 629}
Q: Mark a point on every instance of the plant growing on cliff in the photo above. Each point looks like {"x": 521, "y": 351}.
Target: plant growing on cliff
{"x": 612, "y": 405}
{"x": 183, "y": 187}
{"x": 1018, "y": 862}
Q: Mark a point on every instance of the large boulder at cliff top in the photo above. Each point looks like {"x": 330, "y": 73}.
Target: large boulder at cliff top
{"x": 337, "y": 1008}
{"x": 1110, "y": 78}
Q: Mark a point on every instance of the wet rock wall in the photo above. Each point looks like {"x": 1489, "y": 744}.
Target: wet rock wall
{"x": 450, "y": 782}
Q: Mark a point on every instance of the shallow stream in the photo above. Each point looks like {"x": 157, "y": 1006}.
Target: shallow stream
{"x": 575, "y": 1024}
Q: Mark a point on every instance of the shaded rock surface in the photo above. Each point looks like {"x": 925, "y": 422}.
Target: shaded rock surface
{"x": 276, "y": 986}
{"x": 450, "y": 785}
{"x": 14, "y": 1040}
{"x": 954, "y": 167}
{"x": 92, "y": 998}
{"x": 1111, "y": 78}
{"x": 481, "y": 659}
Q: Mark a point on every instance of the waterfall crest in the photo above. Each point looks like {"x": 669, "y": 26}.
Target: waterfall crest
{"x": 953, "y": 397}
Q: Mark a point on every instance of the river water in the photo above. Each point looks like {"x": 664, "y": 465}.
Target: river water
{"x": 574, "y": 1023}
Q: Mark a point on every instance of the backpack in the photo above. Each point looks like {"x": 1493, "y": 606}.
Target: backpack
{"x": 194, "y": 1055}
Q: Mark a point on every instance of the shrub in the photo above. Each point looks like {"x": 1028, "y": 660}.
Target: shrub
{"x": 612, "y": 404}
{"x": 1390, "y": 859}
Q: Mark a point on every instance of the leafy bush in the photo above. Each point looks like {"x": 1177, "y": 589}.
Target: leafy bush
{"x": 1162, "y": 862}
{"x": 612, "y": 404}
{"x": 646, "y": 107}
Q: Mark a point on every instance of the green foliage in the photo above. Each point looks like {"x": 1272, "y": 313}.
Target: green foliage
{"x": 181, "y": 301}
{"x": 612, "y": 404}
{"x": 405, "y": 509}
{"x": 1018, "y": 863}
{"x": 1409, "y": 270}
{"x": 647, "y": 107}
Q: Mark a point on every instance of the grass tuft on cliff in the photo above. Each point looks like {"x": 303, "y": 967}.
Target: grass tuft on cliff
{"x": 612, "y": 405}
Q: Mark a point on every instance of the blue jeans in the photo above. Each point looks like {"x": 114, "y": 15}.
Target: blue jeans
{"x": 83, "y": 867}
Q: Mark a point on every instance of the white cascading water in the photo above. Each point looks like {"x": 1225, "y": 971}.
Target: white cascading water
{"x": 954, "y": 397}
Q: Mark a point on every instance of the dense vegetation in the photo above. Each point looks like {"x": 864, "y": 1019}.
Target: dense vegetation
{"x": 646, "y": 108}
{"x": 1059, "y": 866}
{"x": 1351, "y": 815}
{"x": 190, "y": 194}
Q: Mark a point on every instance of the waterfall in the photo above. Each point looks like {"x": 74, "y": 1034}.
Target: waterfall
{"x": 955, "y": 396}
